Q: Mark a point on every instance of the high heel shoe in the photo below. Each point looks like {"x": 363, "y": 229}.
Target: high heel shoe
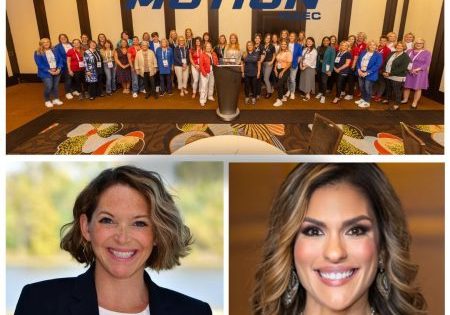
{"x": 413, "y": 106}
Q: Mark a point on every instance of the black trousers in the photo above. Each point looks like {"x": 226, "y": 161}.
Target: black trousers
{"x": 149, "y": 83}
{"x": 251, "y": 86}
{"x": 94, "y": 89}
{"x": 281, "y": 84}
{"x": 342, "y": 80}
{"x": 394, "y": 91}
{"x": 352, "y": 79}
{"x": 323, "y": 82}
{"x": 78, "y": 82}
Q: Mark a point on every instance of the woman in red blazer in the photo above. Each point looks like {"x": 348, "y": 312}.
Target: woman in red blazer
{"x": 207, "y": 59}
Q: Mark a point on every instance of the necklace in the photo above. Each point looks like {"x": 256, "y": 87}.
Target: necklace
{"x": 372, "y": 311}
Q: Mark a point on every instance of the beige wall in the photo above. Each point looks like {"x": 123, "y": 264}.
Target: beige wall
{"x": 424, "y": 27}
{"x": 196, "y": 19}
{"x": 62, "y": 17}
{"x": 398, "y": 16}
{"x": 8, "y": 66}
{"x": 328, "y": 24}
{"x": 24, "y": 30}
{"x": 241, "y": 22}
{"x": 368, "y": 17}
{"x": 146, "y": 19}
{"x": 105, "y": 17}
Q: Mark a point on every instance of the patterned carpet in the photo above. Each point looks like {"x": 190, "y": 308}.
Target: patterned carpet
{"x": 165, "y": 131}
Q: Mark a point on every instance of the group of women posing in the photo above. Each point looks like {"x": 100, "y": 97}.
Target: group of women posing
{"x": 385, "y": 70}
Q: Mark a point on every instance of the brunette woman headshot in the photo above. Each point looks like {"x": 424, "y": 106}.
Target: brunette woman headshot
{"x": 337, "y": 243}
{"x": 123, "y": 222}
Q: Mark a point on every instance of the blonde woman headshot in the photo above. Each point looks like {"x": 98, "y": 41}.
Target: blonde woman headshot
{"x": 123, "y": 222}
{"x": 338, "y": 243}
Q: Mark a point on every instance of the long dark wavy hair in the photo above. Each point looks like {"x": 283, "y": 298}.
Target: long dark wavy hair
{"x": 287, "y": 214}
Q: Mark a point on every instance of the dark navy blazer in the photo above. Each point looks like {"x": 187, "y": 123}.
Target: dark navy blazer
{"x": 77, "y": 296}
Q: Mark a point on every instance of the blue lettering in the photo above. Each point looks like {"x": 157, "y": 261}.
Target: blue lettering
{"x": 216, "y": 4}
{"x": 175, "y": 4}
{"x": 258, "y": 5}
{"x": 131, "y": 4}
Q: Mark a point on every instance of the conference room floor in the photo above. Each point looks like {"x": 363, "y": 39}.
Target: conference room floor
{"x": 24, "y": 103}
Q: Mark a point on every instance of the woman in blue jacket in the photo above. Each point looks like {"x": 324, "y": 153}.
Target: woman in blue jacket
{"x": 367, "y": 68}
{"x": 49, "y": 70}
{"x": 325, "y": 64}
{"x": 61, "y": 49}
{"x": 164, "y": 56}
{"x": 296, "y": 49}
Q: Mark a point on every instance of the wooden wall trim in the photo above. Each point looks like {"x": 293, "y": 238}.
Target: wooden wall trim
{"x": 389, "y": 16}
{"x": 169, "y": 17}
{"x": 255, "y": 22}
{"x": 83, "y": 16}
{"x": 437, "y": 62}
{"x": 127, "y": 18}
{"x": 344, "y": 19}
{"x": 41, "y": 18}
{"x": 401, "y": 31}
{"x": 213, "y": 23}
{"x": 11, "y": 50}
{"x": 301, "y": 8}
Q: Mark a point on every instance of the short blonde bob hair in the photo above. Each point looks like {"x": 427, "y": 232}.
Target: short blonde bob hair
{"x": 172, "y": 237}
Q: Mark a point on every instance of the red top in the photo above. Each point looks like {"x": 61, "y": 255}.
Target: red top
{"x": 358, "y": 49}
{"x": 384, "y": 51}
{"x": 195, "y": 56}
{"x": 75, "y": 58}
{"x": 205, "y": 63}
{"x": 132, "y": 51}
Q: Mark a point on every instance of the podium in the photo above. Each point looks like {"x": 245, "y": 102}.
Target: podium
{"x": 228, "y": 78}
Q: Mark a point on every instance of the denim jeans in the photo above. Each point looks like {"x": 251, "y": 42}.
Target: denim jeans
{"x": 366, "y": 88}
{"x": 110, "y": 74}
{"x": 292, "y": 77}
{"x": 137, "y": 84}
{"x": 51, "y": 87}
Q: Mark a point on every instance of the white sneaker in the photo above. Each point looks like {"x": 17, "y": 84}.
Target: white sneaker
{"x": 69, "y": 96}
{"x": 319, "y": 96}
{"x": 144, "y": 91}
{"x": 135, "y": 95}
{"x": 57, "y": 101}
{"x": 292, "y": 97}
{"x": 322, "y": 99}
{"x": 287, "y": 94}
{"x": 342, "y": 94}
{"x": 364, "y": 104}
{"x": 48, "y": 104}
{"x": 359, "y": 102}
{"x": 348, "y": 97}
{"x": 211, "y": 99}
{"x": 76, "y": 93}
{"x": 278, "y": 103}
{"x": 284, "y": 99}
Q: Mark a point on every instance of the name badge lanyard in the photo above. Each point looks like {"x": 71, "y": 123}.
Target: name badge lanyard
{"x": 98, "y": 59}
{"x": 164, "y": 57}
{"x": 80, "y": 62}
{"x": 110, "y": 60}
{"x": 183, "y": 56}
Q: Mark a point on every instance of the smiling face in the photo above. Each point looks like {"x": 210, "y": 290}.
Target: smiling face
{"x": 336, "y": 250}
{"x": 120, "y": 233}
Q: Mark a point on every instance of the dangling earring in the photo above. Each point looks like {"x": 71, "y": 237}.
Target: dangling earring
{"x": 291, "y": 290}
{"x": 383, "y": 285}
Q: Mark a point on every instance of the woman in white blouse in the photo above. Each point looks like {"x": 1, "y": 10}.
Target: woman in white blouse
{"x": 308, "y": 67}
